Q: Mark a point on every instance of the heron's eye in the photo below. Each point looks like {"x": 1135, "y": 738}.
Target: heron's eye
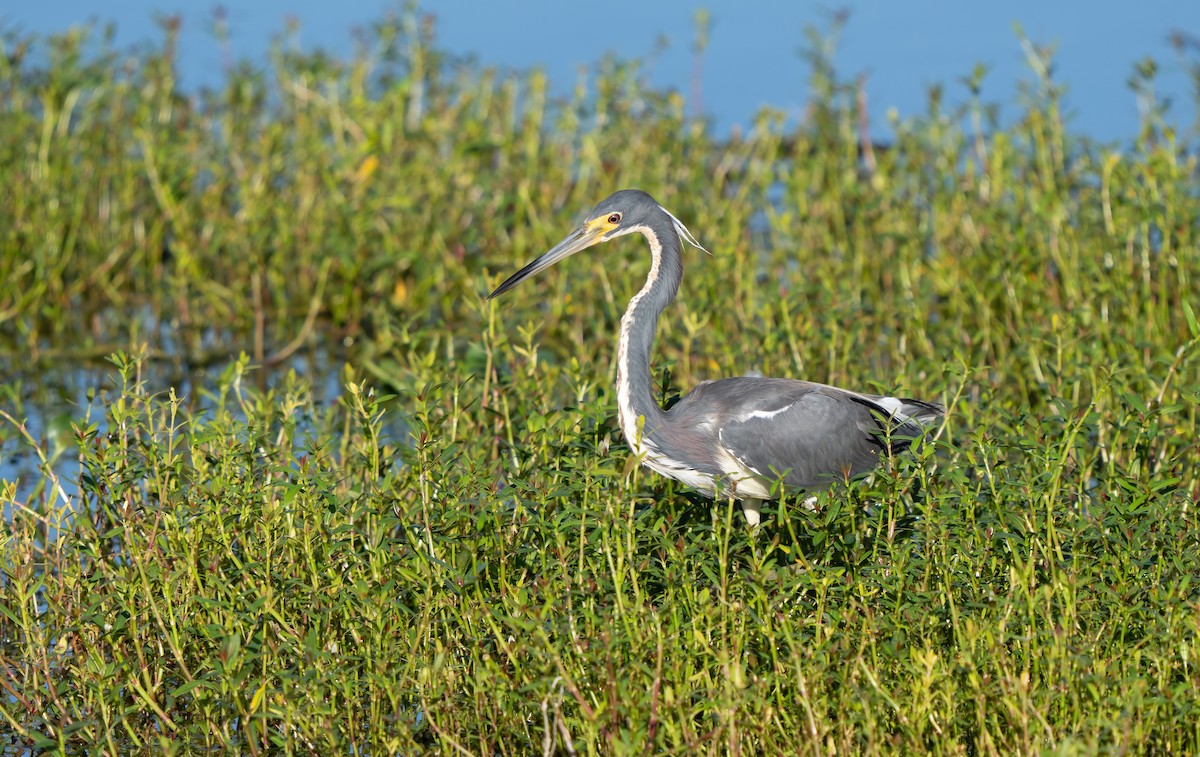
{"x": 614, "y": 218}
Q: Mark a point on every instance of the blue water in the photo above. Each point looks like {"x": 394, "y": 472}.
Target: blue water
{"x": 753, "y": 58}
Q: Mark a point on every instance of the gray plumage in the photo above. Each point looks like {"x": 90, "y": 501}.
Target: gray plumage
{"x": 809, "y": 434}
{"x": 737, "y": 435}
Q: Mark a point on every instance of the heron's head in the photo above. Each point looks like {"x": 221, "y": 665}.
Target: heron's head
{"x": 622, "y": 212}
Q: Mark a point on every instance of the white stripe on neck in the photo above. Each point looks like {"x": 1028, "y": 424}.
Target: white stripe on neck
{"x": 626, "y": 413}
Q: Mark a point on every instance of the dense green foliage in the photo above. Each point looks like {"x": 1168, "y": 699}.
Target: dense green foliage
{"x": 459, "y": 554}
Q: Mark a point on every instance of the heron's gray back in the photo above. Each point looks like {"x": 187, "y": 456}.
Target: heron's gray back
{"x": 817, "y": 434}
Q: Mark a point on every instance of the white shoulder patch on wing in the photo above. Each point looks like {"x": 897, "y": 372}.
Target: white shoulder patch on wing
{"x": 766, "y": 414}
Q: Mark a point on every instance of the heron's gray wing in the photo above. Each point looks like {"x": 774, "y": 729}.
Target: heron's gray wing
{"x": 814, "y": 435}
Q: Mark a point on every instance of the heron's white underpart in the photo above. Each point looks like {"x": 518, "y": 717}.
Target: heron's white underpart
{"x": 746, "y": 481}
{"x": 678, "y": 471}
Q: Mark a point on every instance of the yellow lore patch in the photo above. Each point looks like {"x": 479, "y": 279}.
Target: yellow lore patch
{"x": 601, "y": 226}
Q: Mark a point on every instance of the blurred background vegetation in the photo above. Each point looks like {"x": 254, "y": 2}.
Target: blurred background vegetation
{"x": 277, "y": 478}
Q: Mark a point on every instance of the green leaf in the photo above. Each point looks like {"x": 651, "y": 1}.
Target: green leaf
{"x": 187, "y": 687}
{"x": 1191, "y": 320}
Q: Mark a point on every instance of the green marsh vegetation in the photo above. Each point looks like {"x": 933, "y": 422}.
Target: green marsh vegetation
{"x": 455, "y": 553}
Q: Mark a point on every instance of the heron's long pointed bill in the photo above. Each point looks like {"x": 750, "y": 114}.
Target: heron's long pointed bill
{"x": 580, "y": 239}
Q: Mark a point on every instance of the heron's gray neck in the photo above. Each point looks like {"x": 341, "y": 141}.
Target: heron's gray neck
{"x": 635, "y": 395}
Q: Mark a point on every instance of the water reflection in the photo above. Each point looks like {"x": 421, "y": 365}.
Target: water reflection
{"x": 50, "y": 399}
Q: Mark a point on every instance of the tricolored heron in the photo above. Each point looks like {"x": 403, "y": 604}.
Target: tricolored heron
{"x": 736, "y": 435}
